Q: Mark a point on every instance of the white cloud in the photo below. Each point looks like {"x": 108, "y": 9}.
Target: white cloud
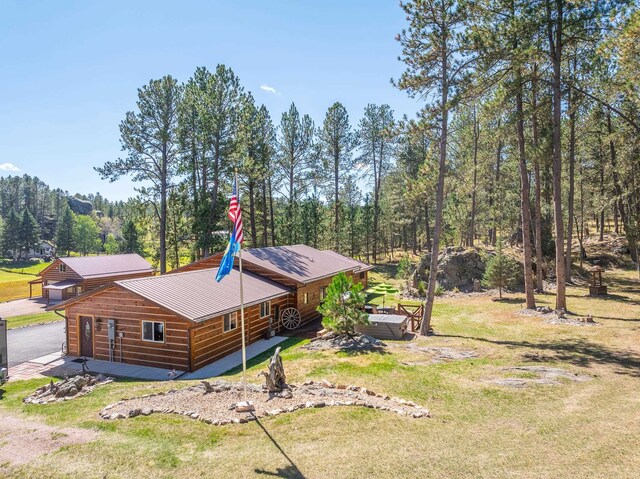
{"x": 269, "y": 89}
{"x": 8, "y": 167}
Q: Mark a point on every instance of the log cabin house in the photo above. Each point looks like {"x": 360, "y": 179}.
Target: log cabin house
{"x": 71, "y": 276}
{"x": 184, "y": 319}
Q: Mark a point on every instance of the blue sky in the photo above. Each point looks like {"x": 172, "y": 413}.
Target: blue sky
{"x": 70, "y": 70}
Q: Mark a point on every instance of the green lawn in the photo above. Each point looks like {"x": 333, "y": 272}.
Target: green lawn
{"x": 21, "y": 267}
{"x": 32, "y": 319}
{"x": 477, "y": 430}
{"x": 15, "y": 277}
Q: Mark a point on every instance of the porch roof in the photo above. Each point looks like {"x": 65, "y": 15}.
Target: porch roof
{"x": 67, "y": 283}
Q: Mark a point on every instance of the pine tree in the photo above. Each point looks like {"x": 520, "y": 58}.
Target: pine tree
{"x": 294, "y": 140}
{"x": 130, "y": 240}
{"x": 65, "y": 231}
{"x": 343, "y": 307}
{"x": 436, "y": 59}
{"x": 378, "y": 141}
{"x": 11, "y": 235}
{"x": 502, "y": 271}
{"x": 150, "y": 138}
{"x": 338, "y": 141}
{"x": 29, "y": 234}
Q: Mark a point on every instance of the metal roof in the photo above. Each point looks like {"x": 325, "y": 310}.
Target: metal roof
{"x": 195, "y": 295}
{"x": 300, "y": 263}
{"x": 107, "y": 265}
{"x": 64, "y": 284}
{"x": 358, "y": 265}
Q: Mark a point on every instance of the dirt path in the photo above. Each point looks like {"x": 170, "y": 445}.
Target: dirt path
{"x": 23, "y": 440}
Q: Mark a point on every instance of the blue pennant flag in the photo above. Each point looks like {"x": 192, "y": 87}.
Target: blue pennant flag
{"x": 226, "y": 265}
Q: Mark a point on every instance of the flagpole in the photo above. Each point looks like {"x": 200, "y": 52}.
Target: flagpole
{"x": 244, "y": 351}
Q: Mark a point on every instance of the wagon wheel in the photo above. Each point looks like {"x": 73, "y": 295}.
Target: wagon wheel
{"x": 290, "y": 318}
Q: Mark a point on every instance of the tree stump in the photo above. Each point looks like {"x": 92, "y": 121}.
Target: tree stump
{"x": 275, "y": 378}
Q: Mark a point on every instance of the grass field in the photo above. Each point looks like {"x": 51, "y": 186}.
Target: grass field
{"x": 15, "y": 277}
{"x": 32, "y": 319}
{"x": 478, "y": 429}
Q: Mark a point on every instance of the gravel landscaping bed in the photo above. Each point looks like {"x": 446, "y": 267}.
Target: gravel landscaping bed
{"x": 215, "y": 403}
{"x": 345, "y": 342}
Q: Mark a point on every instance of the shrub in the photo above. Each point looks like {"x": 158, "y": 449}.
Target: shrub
{"x": 343, "y": 307}
{"x": 422, "y": 288}
{"x": 439, "y": 290}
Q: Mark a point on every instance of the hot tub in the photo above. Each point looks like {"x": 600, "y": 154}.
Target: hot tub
{"x": 384, "y": 326}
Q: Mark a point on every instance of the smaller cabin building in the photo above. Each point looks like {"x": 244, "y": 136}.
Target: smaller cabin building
{"x": 71, "y": 276}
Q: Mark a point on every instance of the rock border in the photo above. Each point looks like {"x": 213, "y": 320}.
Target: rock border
{"x": 364, "y": 398}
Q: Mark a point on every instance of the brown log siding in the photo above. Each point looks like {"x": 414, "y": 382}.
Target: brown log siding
{"x": 52, "y": 274}
{"x": 129, "y": 311}
{"x": 209, "y": 342}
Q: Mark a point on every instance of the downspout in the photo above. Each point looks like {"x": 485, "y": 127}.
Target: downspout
{"x": 66, "y": 329}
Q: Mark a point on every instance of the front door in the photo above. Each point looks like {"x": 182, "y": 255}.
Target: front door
{"x": 86, "y": 336}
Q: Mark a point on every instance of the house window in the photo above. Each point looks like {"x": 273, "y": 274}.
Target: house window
{"x": 153, "y": 331}
{"x": 62, "y": 267}
{"x": 323, "y": 293}
{"x": 230, "y": 321}
{"x": 265, "y": 309}
{"x": 78, "y": 290}
{"x": 361, "y": 275}
{"x": 306, "y": 298}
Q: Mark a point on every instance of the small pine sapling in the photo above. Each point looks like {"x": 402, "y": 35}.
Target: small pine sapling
{"x": 343, "y": 307}
{"x": 502, "y": 271}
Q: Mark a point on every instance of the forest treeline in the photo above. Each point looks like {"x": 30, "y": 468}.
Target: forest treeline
{"x": 530, "y": 128}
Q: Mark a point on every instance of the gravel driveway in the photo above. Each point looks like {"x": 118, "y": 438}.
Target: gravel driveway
{"x": 21, "y": 307}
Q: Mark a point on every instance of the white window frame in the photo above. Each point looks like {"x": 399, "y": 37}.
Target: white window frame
{"x": 62, "y": 268}
{"x": 306, "y": 298}
{"x": 234, "y": 315}
{"x": 268, "y": 309}
{"x": 152, "y": 330}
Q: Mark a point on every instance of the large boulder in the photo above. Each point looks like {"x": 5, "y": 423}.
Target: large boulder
{"x": 457, "y": 267}
{"x": 80, "y": 207}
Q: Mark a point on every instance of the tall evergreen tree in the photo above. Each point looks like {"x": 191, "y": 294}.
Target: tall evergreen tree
{"x": 436, "y": 63}
{"x": 64, "y": 232}
{"x": 130, "y": 238}
{"x": 294, "y": 140}
{"x": 149, "y": 137}
{"x": 29, "y": 235}
{"x": 377, "y": 137}
{"x": 339, "y": 141}
{"x": 11, "y": 235}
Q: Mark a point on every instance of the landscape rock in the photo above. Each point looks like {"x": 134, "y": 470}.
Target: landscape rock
{"x": 66, "y": 389}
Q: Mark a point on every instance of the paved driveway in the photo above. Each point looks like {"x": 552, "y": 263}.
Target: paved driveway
{"x": 34, "y": 342}
{"x": 20, "y": 307}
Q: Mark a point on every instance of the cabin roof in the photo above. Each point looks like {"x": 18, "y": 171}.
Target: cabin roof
{"x": 301, "y": 263}
{"x": 359, "y": 266}
{"x": 197, "y": 296}
{"x": 106, "y": 265}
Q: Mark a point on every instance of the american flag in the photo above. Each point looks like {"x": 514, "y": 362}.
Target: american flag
{"x": 235, "y": 214}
